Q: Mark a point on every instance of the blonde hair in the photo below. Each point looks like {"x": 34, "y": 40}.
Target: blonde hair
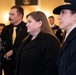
{"x": 40, "y": 16}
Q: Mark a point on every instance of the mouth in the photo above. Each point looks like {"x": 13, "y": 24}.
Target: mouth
{"x": 10, "y": 19}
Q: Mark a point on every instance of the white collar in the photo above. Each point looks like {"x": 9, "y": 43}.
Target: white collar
{"x": 52, "y": 25}
{"x": 70, "y": 31}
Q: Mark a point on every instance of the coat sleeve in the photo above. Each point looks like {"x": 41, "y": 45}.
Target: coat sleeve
{"x": 6, "y": 38}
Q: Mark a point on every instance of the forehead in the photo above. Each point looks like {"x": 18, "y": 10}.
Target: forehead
{"x": 14, "y": 10}
{"x": 65, "y": 10}
{"x": 51, "y": 19}
{"x": 30, "y": 17}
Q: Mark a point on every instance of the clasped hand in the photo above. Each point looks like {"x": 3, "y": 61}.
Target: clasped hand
{"x": 8, "y": 54}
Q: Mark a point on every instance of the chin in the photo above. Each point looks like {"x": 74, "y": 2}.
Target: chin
{"x": 61, "y": 27}
{"x": 28, "y": 31}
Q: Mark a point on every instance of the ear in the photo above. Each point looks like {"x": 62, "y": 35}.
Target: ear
{"x": 75, "y": 17}
{"x": 20, "y": 15}
{"x": 40, "y": 22}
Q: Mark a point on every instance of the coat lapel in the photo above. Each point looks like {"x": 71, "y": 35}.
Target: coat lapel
{"x": 31, "y": 44}
{"x": 18, "y": 34}
{"x": 10, "y": 31}
{"x": 20, "y": 30}
{"x": 24, "y": 43}
{"x": 61, "y": 52}
{"x": 34, "y": 42}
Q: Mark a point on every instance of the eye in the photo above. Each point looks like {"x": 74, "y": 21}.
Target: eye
{"x": 29, "y": 21}
{"x": 11, "y": 14}
{"x": 62, "y": 12}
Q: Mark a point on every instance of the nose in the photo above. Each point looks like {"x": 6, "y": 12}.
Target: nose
{"x": 26, "y": 24}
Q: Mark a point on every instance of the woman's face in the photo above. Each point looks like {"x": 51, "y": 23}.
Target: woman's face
{"x": 66, "y": 19}
{"x": 33, "y": 27}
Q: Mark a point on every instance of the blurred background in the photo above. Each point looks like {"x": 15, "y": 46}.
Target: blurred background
{"x": 46, "y": 6}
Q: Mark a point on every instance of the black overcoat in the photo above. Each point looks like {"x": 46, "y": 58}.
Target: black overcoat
{"x": 38, "y": 56}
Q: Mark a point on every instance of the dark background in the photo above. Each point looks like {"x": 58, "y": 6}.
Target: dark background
{"x": 20, "y": 2}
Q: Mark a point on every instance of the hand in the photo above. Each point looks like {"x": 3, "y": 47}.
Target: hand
{"x": 8, "y": 54}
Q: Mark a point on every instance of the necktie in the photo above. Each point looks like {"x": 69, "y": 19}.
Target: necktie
{"x": 14, "y": 34}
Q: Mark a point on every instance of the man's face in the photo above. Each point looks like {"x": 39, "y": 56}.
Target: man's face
{"x": 14, "y": 16}
{"x": 51, "y": 21}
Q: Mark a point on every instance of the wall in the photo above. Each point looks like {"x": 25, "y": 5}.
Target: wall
{"x": 4, "y": 10}
{"x": 46, "y": 6}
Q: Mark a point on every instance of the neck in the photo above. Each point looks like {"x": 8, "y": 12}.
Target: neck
{"x": 35, "y": 35}
{"x": 15, "y": 24}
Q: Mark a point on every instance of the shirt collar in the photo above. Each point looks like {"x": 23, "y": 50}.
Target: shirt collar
{"x": 70, "y": 31}
{"x": 52, "y": 25}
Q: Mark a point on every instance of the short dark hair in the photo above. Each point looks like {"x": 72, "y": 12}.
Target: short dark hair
{"x": 19, "y": 9}
{"x": 51, "y": 17}
{"x": 2, "y": 24}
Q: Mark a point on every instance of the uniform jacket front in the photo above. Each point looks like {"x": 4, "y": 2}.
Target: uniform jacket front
{"x": 67, "y": 58}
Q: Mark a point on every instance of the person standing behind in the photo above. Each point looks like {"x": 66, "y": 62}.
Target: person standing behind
{"x": 38, "y": 55}
{"x": 67, "y": 21}
{"x": 58, "y": 32}
{"x": 1, "y": 48}
{"x": 1, "y": 28}
{"x": 15, "y": 17}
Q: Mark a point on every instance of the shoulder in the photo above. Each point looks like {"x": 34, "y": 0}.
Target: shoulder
{"x": 8, "y": 26}
{"x": 52, "y": 39}
{"x": 47, "y": 38}
{"x": 23, "y": 23}
{"x": 48, "y": 42}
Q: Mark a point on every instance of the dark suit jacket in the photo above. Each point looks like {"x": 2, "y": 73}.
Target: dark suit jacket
{"x": 38, "y": 56}
{"x": 67, "y": 57}
{"x": 7, "y": 35}
{"x": 7, "y": 38}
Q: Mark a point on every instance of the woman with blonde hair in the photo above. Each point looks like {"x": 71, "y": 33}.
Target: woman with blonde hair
{"x": 38, "y": 54}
